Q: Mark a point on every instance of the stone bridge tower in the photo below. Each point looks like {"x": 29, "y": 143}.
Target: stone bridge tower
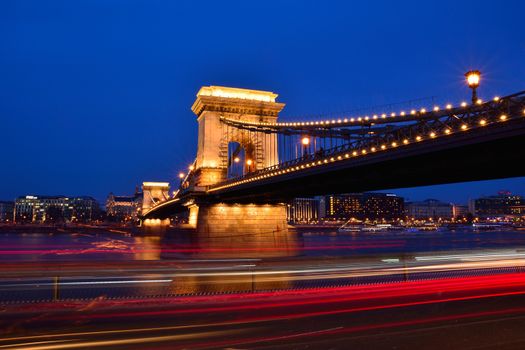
{"x": 153, "y": 193}
{"x": 216, "y": 102}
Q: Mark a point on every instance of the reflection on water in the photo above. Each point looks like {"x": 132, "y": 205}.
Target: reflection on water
{"x": 147, "y": 248}
{"x": 186, "y": 244}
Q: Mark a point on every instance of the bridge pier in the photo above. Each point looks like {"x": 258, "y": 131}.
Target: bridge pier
{"x": 253, "y": 230}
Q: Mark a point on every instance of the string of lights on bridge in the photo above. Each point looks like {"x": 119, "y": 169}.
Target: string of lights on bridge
{"x": 359, "y": 120}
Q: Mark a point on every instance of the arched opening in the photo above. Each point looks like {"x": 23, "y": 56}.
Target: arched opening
{"x": 241, "y": 159}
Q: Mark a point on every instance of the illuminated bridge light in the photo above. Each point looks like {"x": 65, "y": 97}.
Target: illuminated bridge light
{"x": 366, "y": 118}
{"x": 436, "y": 108}
{"x": 479, "y": 101}
{"x": 418, "y": 138}
{"x": 447, "y": 131}
{"x": 423, "y": 110}
{"x": 346, "y": 120}
{"x": 375, "y": 117}
{"x": 373, "y": 149}
{"x": 383, "y": 115}
{"x": 352, "y": 120}
{"x": 464, "y": 127}
{"x": 432, "y": 134}
{"x": 413, "y": 112}
{"x": 319, "y": 162}
{"x": 347, "y": 155}
{"x": 482, "y": 122}
{"x": 339, "y": 120}
{"x": 363, "y": 151}
{"x": 503, "y": 117}
{"x": 339, "y": 157}
{"x": 354, "y": 153}
{"x": 463, "y": 104}
{"x": 359, "y": 119}
{"x": 392, "y": 114}
{"x": 402, "y": 113}
{"x": 332, "y": 159}
{"x": 383, "y": 146}
{"x": 448, "y": 106}
{"x": 405, "y": 141}
{"x": 496, "y": 98}
{"x": 325, "y": 161}
{"x": 394, "y": 144}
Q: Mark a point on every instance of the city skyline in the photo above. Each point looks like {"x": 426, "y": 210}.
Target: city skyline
{"x": 409, "y": 194}
{"x": 142, "y": 78}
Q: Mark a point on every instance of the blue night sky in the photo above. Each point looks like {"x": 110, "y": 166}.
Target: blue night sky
{"x": 95, "y": 95}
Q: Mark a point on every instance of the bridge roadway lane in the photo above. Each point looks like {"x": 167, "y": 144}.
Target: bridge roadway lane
{"x": 468, "y": 312}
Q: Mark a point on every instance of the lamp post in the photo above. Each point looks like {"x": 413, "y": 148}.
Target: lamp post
{"x": 473, "y": 77}
{"x": 249, "y": 163}
{"x": 181, "y": 177}
{"x": 305, "y": 141}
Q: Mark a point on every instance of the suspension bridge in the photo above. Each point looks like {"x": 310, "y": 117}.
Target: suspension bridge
{"x": 249, "y": 164}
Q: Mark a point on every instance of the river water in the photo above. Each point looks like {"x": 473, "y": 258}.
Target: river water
{"x": 65, "y": 266}
{"x": 109, "y": 246}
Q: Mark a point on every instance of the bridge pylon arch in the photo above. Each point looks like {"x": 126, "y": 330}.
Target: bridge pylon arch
{"x": 213, "y": 105}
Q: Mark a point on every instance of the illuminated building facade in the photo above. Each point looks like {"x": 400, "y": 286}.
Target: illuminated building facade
{"x": 6, "y": 211}
{"x": 54, "y": 209}
{"x": 124, "y": 208}
{"x": 363, "y": 206}
{"x": 504, "y": 203}
{"x": 303, "y": 210}
{"x": 430, "y": 209}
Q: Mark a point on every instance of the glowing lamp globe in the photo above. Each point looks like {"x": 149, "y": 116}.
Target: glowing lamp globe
{"x": 473, "y": 77}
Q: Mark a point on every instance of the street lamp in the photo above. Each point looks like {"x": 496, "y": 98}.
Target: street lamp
{"x": 305, "y": 141}
{"x": 249, "y": 163}
{"x": 236, "y": 159}
{"x": 473, "y": 77}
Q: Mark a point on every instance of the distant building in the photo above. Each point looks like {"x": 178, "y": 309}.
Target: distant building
{"x": 364, "y": 206}
{"x": 53, "y": 209}
{"x": 6, "y": 211}
{"x": 124, "y": 208}
{"x": 39, "y": 209}
{"x": 85, "y": 209}
{"x": 303, "y": 210}
{"x": 460, "y": 211}
{"x": 504, "y": 203}
{"x": 430, "y": 208}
